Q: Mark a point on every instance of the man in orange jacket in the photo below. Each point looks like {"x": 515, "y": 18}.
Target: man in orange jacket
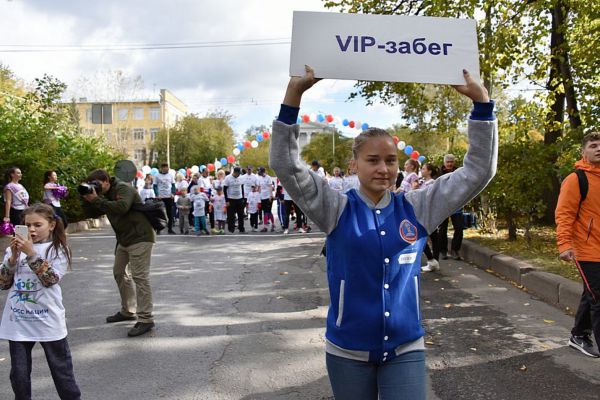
{"x": 579, "y": 241}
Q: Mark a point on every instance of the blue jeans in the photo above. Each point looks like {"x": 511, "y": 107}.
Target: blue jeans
{"x": 403, "y": 377}
{"x": 59, "y": 360}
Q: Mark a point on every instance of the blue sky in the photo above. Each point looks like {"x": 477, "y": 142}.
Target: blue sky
{"x": 247, "y": 81}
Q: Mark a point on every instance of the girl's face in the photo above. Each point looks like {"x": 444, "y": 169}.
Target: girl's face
{"x": 53, "y": 177}
{"x": 39, "y": 227}
{"x": 377, "y": 164}
{"x": 426, "y": 172}
{"x": 16, "y": 175}
{"x": 408, "y": 167}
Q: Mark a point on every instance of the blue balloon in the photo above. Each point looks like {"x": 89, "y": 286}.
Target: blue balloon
{"x": 298, "y": 120}
{"x": 202, "y": 167}
{"x": 365, "y": 126}
{"x": 181, "y": 171}
{"x": 259, "y": 137}
{"x": 345, "y": 122}
{"x": 240, "y": 146}
{"x": 154, "y": 171}
{"x": 223, "y": 161}
{"x": 408, "y": 150}
{"x": 421, "y": 159}
{"x": 320, "y": 118}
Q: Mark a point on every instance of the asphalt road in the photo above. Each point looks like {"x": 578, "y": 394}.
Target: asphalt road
{"x": 242, "y": 317}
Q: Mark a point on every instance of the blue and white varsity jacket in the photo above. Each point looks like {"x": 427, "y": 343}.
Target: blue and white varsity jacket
{"x": 374, "y": 250}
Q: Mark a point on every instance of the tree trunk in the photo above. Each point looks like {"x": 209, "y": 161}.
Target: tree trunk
{"x": 512, "y": 226}
{"x": 560, "y": 14}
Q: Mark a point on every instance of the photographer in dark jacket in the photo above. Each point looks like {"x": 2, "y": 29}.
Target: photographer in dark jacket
{"x": 135, "y": 239}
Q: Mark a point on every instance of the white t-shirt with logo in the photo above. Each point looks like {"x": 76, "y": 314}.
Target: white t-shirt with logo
{"x": 336, "y": 183}
{"x": 266, "y": 187}
{"x": 34, "y": 313}
{"x": 248, "y": 180}
{"x": 234, "y": 187}
{"x": 164, "y": 183}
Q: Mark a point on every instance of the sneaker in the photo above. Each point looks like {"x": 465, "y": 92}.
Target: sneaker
{"x": 432, "y": 265}
{"x": 172, "y": 232}
{"x": 254, "y": 230}
{"x": 444, "y": 256}
{"x": 140, "y": 328}
{"x": 264, "y": 229}
{"x": 584, "y": 344}
{"x": 456, "y": 256}
{"x": 118, "y": 317}
{"x": 301, "y": 230}
{"x": 272, "y": 228}
{"x": 285, "y": 231}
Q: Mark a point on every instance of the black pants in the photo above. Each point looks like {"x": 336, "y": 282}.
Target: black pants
{"x": 254, "y": 220}
{"x": 288, "y": 208}
{"x": 457, "y": 224}
{"x": 59, "y": 360}
{"x": 169, "y": 204}
{"x": 210, "y": 216}
{"x": 236, "y": 207}
{"x": 59, "y": 211}
{"x": 300, "y": 217}
{"x": 435, "y": 244}
{"x": 15, "y": 216}
{"x": 587, "y": 318}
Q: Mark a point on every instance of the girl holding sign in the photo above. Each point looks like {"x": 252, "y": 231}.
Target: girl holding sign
{"x": 375, "y": 347}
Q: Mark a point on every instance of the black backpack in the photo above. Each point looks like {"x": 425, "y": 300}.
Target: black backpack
{"x": 583, "y": 186}
{"x": 155, "y": 211}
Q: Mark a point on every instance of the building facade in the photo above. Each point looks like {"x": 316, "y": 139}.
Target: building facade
{"x": 131, "y": 126}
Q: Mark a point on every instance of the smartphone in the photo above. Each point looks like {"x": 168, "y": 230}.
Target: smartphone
{"x": 22, "y": 230}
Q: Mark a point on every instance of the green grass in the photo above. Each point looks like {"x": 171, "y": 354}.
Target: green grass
{"x": 541, "y": 251}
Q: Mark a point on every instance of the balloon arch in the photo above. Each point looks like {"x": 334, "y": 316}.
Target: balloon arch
{"x": 264, "y": 135}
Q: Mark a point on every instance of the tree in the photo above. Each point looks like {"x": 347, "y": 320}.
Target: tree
{"x": 321, "y": 148}
{"x": 195, "y": 140}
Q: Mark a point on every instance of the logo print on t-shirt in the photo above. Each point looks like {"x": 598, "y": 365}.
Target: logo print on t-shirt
{"x": 408, "y": 231}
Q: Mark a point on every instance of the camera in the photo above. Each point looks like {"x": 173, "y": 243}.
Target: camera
{"x": 88, "y": 187}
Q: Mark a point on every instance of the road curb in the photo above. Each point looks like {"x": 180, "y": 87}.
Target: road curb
{"x": 551, "y": 288}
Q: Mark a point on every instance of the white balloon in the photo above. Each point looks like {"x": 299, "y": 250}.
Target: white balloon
{"x": 358, "y": 125}
{"x": 218, "y": 164}
{"x": 401, "y": 145}
{"x": 236, "y": 152}
{"x": 172, "y": 172}
{"x": 195, "y": 169}
{"x": 146, "y": 169}
{"x": 254, "y": 144}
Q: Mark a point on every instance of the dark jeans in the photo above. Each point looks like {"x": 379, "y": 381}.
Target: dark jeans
{"x": 435, "y": 244}
{"x": 587, "y": 318}
{"x": 169, "y": 204}
{"x": 236, "y": 207}
{"x": 288, "y": 208}
{"x": 15, "y": 216}
{"x": 401, "y": 378}
{"x": 59, "y": 360}
{"x": 457, "y": 224}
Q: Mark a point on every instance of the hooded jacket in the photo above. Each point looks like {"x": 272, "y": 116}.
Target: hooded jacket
{"x": 578, "y": 227}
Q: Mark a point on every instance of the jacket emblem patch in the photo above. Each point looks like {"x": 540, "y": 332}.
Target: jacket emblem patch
{"x": 408, "y": 231}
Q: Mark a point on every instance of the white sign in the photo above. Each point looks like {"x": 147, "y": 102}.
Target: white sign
{"x": 390, "y": 48}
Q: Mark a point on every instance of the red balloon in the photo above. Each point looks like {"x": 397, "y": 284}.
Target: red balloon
{"x": 306, "y": 118}
{"x": 210, "y": 167}
{"x": 230, "y": 159}
{"x": 414, "y": 155}
{"x": 139, "y": 174}
{"x": 189, "y": 171}
{"x": 265, "y": 135}
{"x": 247, "y": 144}
{"x": 329, "y": 118}
{"x": 351, "y": 124}
{"x": 396, "y": 140}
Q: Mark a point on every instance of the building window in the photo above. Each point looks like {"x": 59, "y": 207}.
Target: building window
{"x": 153, "y": 133}
{"x": 139, "y": 154}
{"x": 155, "y": 113}
{"x": 123, "y": 114}
{"x": 138, "y": 134}
{"x": 138, "y": 113}
{"x": 102, "y": 114}
{"x": 123, "y": 134}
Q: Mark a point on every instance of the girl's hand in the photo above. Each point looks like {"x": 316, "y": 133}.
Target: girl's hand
{"x": 15, "y": 252}
{"x": 298, "y": 85}
{"x": 24, "y": 244}
{"x": 473, "y": 89}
